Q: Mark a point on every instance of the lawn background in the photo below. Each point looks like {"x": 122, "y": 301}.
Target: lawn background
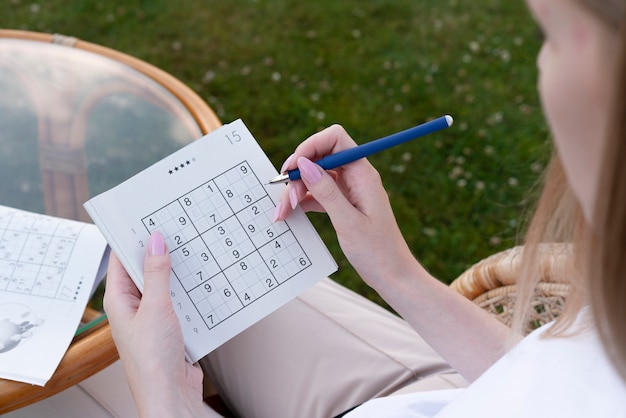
{"x": 289, "y": 68}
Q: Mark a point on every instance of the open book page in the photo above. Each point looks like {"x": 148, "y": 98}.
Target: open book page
{"x": 231, "y": 264}
{"x": 48, "y": 269}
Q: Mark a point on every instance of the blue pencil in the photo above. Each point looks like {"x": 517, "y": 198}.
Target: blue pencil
{"x": 350, "y": 155}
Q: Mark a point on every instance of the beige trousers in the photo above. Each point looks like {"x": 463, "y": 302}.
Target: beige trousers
{"x": 323, "y": 353}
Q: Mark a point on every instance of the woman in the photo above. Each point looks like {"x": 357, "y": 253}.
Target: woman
{"x": 280, "y": 367}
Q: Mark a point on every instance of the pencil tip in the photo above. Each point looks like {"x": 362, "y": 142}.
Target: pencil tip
{"x": 281, "y": 178}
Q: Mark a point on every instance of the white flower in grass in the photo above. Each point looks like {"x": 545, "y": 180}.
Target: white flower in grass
{"x": 455, "y": 173}
{"x": 495, "y": 119}
{"x": 397, "y": 168}
{"x": 536, "y": 167}
{"x": 324, "y": 85}
{"x": 208, "y": 77}
{"x": 429, "y": 232}
{"x": 495, "y": 240}
{"x": 525, "y": 109}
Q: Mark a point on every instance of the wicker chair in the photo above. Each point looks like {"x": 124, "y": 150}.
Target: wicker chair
{"x": 491, "y": 284}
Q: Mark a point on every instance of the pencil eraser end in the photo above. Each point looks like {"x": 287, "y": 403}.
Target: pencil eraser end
{"x": 449, "y": 120}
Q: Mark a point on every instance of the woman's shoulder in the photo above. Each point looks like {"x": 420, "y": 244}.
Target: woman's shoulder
{"x": 540, "y": 377}
{"x": 548, "y": 376}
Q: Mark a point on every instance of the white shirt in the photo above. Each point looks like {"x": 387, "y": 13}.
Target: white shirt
{"x": 550, "y": 377}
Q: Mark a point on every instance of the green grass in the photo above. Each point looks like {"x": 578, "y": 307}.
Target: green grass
{"x": 289, "y": 68}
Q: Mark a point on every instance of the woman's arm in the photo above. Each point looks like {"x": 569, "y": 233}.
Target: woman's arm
{"x": 358, "y": 207}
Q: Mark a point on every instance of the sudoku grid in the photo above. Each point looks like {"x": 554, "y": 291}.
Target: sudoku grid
{"x": 34, "y": 252}
{"x": 226, "y": 250}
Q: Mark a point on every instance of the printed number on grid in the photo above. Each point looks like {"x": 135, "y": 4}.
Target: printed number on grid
{"x": 226, "y": 250}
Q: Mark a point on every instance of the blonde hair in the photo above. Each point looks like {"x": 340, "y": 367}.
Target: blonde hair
{"x": 607, "y": 254}
{"x": 597, "y": 269}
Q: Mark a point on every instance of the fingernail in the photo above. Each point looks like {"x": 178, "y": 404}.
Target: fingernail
{"x": 156, "y": 244}
{"x": 277, "y": 212}
{"x": 309, "y": 170}
{"x": 286, "y": 163}
{"x": 293, "y": 197}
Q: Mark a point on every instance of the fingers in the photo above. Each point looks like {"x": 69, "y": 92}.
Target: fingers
{"x": 323, "y": 188}
{"x": 328, "y": 141}
{"x": 118, "y": 282}
{"x": 157, "y": 269}
{"x": 121, "y": 296}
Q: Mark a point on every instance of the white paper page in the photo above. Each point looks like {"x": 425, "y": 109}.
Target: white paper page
{"x": 231, "y": 265}
{"x": 48, "y": 267}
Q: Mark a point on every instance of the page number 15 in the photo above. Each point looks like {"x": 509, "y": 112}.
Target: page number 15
{"x": 233, "y": 138}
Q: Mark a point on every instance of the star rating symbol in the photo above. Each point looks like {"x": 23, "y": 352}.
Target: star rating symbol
{"x": 181, "y": 166}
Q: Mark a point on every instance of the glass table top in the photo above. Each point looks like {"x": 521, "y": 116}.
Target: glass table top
{"x": 72, "y": 111}
{"x": 76, "y": 120}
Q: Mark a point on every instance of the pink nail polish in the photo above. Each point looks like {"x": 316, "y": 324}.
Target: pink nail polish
{"x": 286, "y": 163}
{"x": 309, "y": 170}
{"x": 277, "y": 211}
{"x": 156, "y": 244}
{"x": 293, "y": 197}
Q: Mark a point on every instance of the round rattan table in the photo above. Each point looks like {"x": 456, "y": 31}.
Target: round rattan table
{"x": 75, "y": 120}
